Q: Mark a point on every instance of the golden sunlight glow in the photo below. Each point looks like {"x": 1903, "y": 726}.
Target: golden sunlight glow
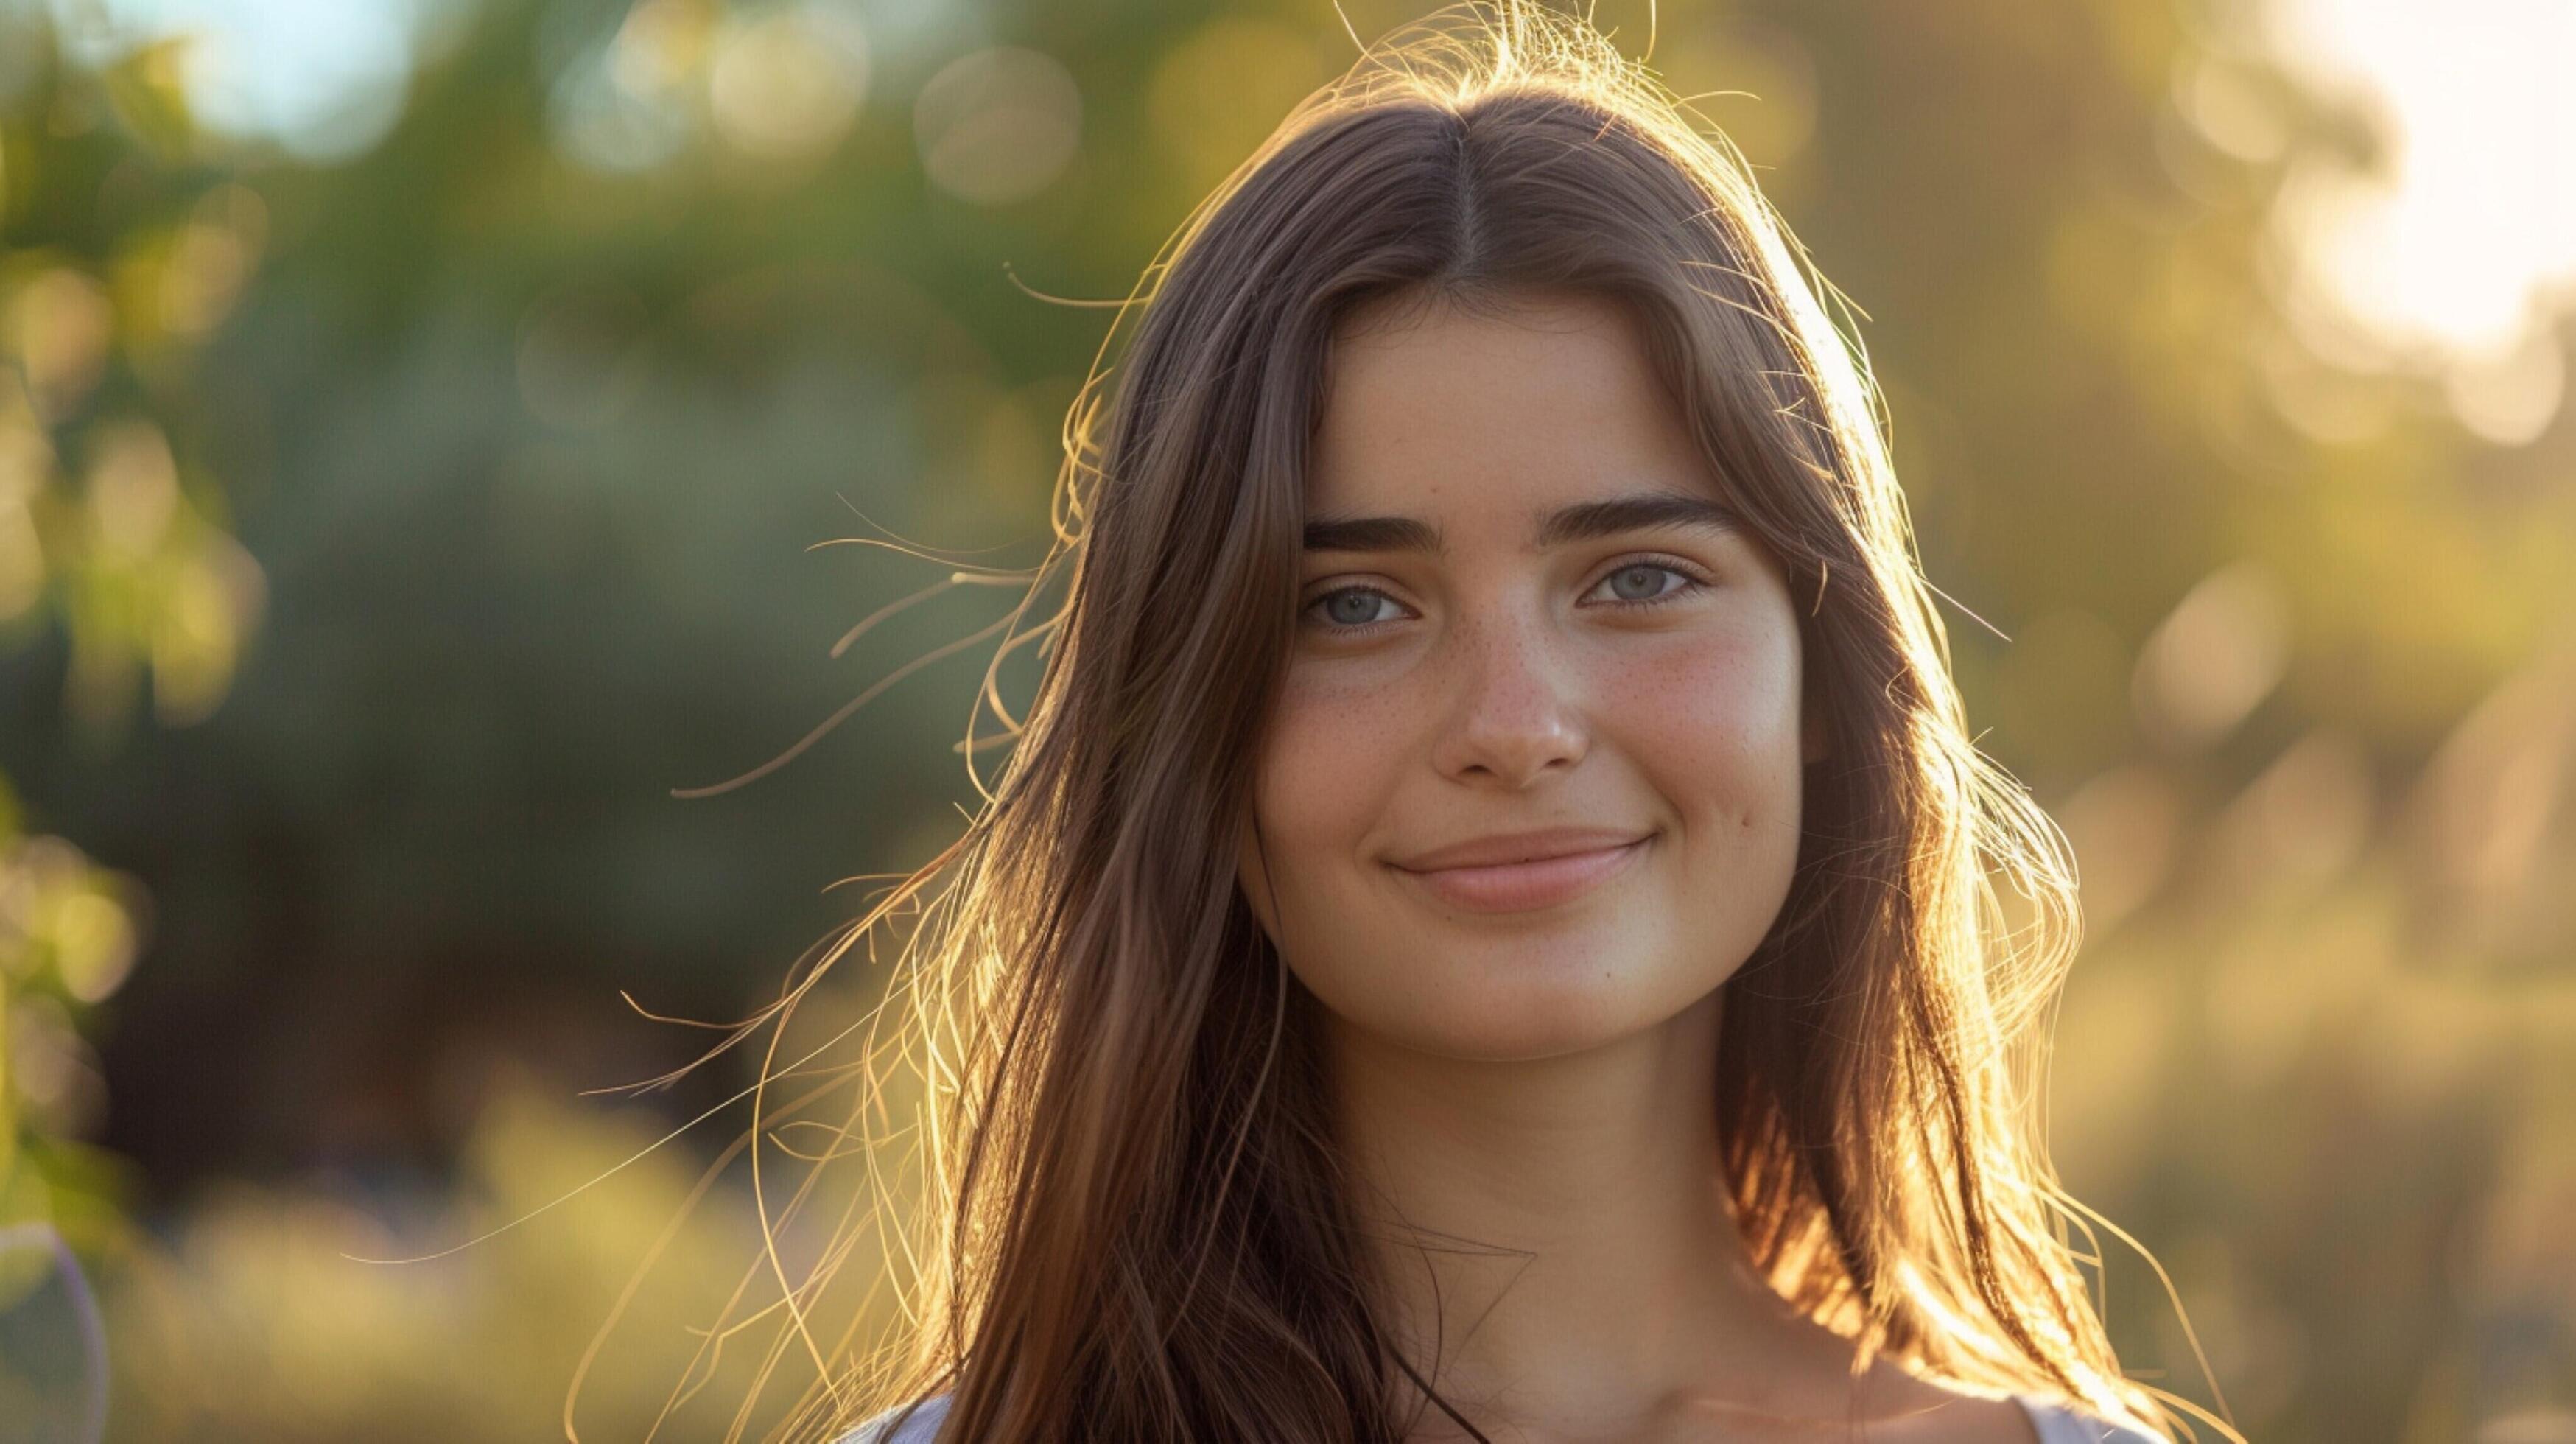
{"x": 2454, "y": 254}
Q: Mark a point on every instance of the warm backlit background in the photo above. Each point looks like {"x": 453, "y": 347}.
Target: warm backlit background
{"x": 417, "y": 418}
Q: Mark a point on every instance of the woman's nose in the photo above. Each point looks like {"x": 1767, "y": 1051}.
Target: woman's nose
{"x": 1513, "y": 717}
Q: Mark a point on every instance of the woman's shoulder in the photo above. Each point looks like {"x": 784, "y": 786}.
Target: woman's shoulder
{"x": 2059, "y": 1422}
{"x": 921, "y": 1428}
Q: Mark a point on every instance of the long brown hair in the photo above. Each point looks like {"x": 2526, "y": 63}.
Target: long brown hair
{"x": 1137, "y": 1224}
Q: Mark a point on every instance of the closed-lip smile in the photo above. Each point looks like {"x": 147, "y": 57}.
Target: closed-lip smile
{"x": 1523, "y": 871}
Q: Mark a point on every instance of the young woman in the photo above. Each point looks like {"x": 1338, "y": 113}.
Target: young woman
{"x": 1490, "y": 926}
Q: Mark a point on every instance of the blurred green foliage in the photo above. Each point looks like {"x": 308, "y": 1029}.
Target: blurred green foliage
{"x": 441, "y": 455}
{"x": 119, "y": 551}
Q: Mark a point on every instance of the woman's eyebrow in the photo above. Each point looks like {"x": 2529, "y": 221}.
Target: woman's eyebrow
{"x": 1644, "y": 511}
{"x": 1373, "y": 534}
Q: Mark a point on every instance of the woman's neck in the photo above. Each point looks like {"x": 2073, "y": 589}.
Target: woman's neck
{"x": 1554, "y": 1241}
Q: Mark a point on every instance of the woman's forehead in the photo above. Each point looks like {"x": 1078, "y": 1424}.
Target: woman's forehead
{"x": 1552, "y": 402}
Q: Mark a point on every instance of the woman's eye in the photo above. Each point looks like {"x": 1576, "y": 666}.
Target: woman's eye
{"x": 1638, "y": 584}
{"x": 1646, "y": 582}
{"x": 1352, "y": 606}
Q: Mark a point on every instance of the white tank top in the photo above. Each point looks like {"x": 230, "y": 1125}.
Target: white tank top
{"x": 2057, "y": 1423}
{"x": 2060, "y": 1423}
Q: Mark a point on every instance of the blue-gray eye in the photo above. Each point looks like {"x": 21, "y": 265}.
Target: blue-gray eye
{"x": 1351, "y": 606}
{"x": 1645, "y": 579}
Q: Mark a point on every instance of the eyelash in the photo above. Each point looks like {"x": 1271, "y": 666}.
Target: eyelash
{"x": 1663, "y": 564}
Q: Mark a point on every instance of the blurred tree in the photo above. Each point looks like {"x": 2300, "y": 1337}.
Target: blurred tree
{"x": 109, "y": 543}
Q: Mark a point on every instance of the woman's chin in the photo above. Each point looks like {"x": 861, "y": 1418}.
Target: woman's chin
{"x": 1518, "y": 1022}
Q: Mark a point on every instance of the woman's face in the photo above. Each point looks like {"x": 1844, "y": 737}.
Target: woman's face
{"x": 1533, "y": 782}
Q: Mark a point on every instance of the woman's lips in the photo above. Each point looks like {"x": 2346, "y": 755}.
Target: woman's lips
{"x": 1527, "y": 886}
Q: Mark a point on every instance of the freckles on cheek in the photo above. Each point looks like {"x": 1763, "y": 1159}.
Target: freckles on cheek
{"x": 1328, "y": 763}
{"x": 1715, "y": 713}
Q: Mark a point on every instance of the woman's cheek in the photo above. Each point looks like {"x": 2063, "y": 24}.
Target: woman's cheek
{"x": 1713, "y": 722}
{"x": 1329, "y": 764}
